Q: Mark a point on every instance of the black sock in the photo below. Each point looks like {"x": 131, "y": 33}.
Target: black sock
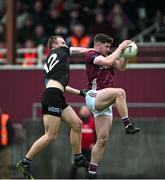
{"x": 125, "y": 121}
{"x": 78, "y": 157}
{"x": 92, "y": 168}
{"x": 26, "y": 161}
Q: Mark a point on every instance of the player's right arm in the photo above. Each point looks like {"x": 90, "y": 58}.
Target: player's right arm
{"x": 109, "y": 60}
{"x": 79, "y": 50}
{"x": 81, "y": 92}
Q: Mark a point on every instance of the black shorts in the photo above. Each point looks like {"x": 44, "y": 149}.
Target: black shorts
{"x": 53, "y": 102}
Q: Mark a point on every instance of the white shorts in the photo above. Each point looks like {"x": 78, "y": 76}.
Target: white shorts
{"x": 90, "y": 102}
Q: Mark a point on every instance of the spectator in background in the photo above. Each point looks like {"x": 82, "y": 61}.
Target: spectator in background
{"x": 100, "y": 25}
{"x": 118, "y": 21}
{"x": 130, "y": 8}
{"x": 40, "y": 35}
{"x": 79, "y": 14}
{"x": 162, "y": 24}
{"x": 21, "y": 14}
{"x": 26, "y": 32}
{"x": 158, "y": 16}
{"x": 3, "y": 16}
{"x": 6, "y": 139}
{"x": 2, "y": 6}
{"x": 142, "y": 16}
{"x": 88, "y": 136}
{"x": 38, "y": 13}
{"x": 2, "y": 32}
{"x": 61, "y": 30}
{"x": 160, "y": 33}
{"x": 58, "y": 5}
{"x": 79, "y": 37}
{"x": 74, "y": 17}
{"x": 101, "y": 6}
{"x": 30, "y": 58}
{"x": 70, "y": 4}
{"x": 55, "y": 18}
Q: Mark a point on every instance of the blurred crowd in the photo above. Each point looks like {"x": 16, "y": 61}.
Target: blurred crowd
{"x": 79, "y": 20}
{"x": 36, "y": 20}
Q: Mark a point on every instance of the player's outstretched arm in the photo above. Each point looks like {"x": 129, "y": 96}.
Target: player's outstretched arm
{"x": 79, "y": 50}
{"x": 74, "y": 91}
{"x": 71, "y": 90}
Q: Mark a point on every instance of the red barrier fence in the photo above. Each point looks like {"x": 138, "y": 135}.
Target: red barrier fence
{"x": 20, "y": 88}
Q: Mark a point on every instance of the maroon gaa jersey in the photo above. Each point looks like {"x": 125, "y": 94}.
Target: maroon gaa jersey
{"x": 99, "y": 77}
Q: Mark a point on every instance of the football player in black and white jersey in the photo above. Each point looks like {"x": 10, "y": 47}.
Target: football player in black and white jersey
{"x": 54, "y": 107}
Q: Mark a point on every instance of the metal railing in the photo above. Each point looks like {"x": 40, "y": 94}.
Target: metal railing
{"x": 140, "y": 37}
{"x": 37, "y": 106}
{"x": 40, "y": 54}
{"x": 38, "y": 51}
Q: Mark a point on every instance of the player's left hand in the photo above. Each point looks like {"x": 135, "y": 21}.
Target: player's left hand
{"x": 83, "y": 92}
{"x": 124, "y": 44}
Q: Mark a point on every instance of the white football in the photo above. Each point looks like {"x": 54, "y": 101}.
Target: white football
{"x": 130, "y": 51}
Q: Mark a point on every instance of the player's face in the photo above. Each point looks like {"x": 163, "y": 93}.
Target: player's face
{"x": 105, "y": 49}
{"x": 60, "y": 43}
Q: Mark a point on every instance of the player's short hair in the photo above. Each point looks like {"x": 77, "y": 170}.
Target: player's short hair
{"x": 53, "y": 39}
{"x": 103, "y": 38}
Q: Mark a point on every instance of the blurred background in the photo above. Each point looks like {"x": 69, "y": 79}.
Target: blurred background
{"x": 25, "y": 26}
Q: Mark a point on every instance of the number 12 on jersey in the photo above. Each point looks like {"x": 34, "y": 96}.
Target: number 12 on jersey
{"x": 51, "y": 62}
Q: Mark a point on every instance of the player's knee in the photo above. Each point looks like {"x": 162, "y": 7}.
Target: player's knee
{"x": 102, "y": 141}
{"x": 121, "y": 92}
{"x": 77, "y": 125}
{"x": 52, "y": 137}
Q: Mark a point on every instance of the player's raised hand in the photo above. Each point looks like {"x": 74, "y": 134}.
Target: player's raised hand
{"x": 124, "y": 44}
